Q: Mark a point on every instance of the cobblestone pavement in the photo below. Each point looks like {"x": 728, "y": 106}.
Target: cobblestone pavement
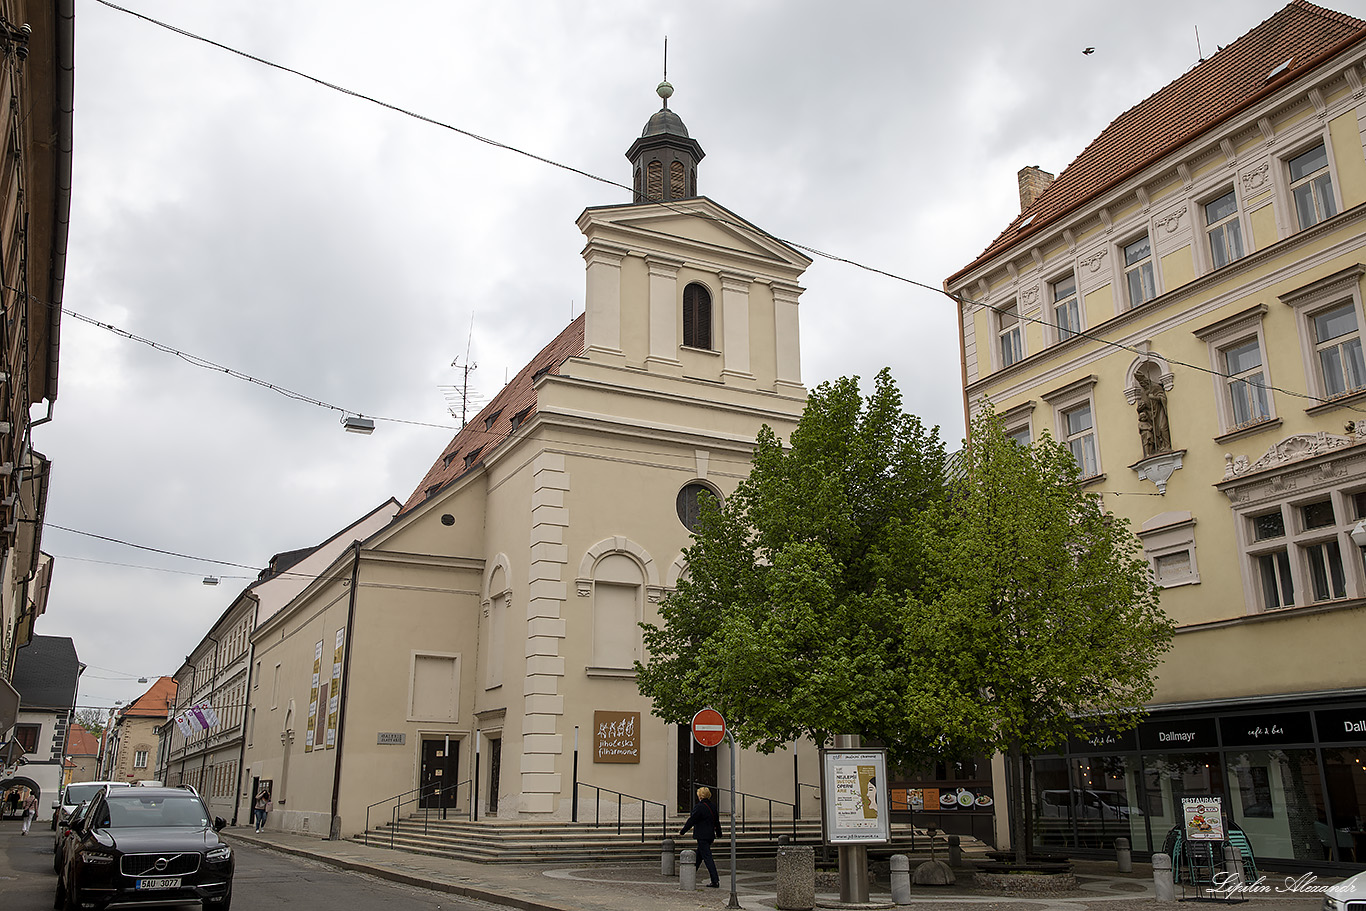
{"x": 631, "y": 887}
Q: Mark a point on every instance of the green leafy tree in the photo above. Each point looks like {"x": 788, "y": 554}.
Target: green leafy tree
{"x": 788, "y": 618}
{"x": 92, "y": 720}
{"x": 1048, "y": 615}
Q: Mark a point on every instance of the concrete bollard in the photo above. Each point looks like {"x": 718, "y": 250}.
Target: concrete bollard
{"x": 666, "y": 858}
{"x": 784, "y": 840}
{"x": 1162, "y": 878}
{"x": 955, "y": 851}
{"x": 796, "y": 878}
{"x": 687, "y": 872}
{"x": 1123, "y": 856}
{"x": 901, "y": 879}
{"x": 1233, "y": 865}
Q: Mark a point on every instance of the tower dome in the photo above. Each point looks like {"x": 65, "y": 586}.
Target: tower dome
{"x": 664, "y": 159}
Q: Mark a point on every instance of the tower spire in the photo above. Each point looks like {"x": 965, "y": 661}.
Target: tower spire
{"x": 664, "y": 159}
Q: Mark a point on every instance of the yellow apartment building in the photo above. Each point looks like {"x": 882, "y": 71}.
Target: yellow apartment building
{"x": 1182, "y": 306}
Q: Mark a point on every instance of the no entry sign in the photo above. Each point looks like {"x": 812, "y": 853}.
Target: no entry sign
{"x": 708, "y": 727}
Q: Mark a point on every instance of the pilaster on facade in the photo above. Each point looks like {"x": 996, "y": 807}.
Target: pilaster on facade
{"x": 546, "y": 594}
{"x": 602, "y": 301}
{"x": 788, "y": 339}
{"x": 735, "y": 326}
{"x": 664, "y": 299}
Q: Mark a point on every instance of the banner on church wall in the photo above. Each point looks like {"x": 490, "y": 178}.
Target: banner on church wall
{"x": 313, "y": 708}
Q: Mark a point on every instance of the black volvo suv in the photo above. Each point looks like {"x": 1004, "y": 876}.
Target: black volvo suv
{"x": 146, "y": 846}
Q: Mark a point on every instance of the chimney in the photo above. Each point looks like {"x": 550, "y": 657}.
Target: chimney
{"x": 1033, "y": 181}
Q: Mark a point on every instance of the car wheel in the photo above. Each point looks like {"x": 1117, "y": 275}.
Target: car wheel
{"x": 59, "y": 901}
{"x": 56, "y": 862}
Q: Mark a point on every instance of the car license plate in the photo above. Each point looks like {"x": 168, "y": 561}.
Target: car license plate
{"x": 164, "y": 882}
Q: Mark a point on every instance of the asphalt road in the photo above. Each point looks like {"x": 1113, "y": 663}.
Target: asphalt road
{"x": 263, "y": 880}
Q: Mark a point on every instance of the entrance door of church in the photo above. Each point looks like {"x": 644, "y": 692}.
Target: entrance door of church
{"x": 696, "y": 767}
{"x": 438, "y": 773}
{"x": 495, "y": 772}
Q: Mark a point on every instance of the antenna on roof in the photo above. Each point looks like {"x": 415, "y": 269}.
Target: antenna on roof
{"x": 461, "y": 393}
{"x": 1198, "y": 51}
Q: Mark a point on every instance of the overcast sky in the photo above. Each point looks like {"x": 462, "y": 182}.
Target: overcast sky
{"x": 323, "y": 243}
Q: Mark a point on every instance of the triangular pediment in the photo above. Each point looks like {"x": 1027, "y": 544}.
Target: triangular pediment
{"x": 695, "y": 230}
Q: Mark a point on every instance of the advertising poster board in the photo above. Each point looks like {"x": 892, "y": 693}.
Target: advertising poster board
{"x": 854, "y": 806}
{"x": 334, "y": 701}
{"x": 313, "y": 697}
{"x": 1203, "y": 818}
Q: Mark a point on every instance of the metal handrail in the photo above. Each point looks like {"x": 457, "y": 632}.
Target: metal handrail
{"x": 744, "y": 816}
{"x": 405, "y": 798}
{"x": 597, "y": 809}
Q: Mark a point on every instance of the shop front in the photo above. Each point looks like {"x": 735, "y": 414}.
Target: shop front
{"x": 1291, "y": 775}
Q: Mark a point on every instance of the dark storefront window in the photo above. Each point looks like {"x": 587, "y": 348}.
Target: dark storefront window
{"x": 1169, "y": 777}
{"x": 1345, "y": 769}
{"x": 1276, "y": 797}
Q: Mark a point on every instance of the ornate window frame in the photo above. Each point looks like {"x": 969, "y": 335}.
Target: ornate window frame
{"x": 1297, "y": 471}
{"x": 1166, "y": 535}
{"x": 650, "y": 592}
{"x": 1219, "y": 337}
{"x": 1311, "y": 300}
{"x": 1068, "y": 398}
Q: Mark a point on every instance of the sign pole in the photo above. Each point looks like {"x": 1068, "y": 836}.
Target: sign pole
{"x": 853, "y": 858}
{"x": 734, "y": 896}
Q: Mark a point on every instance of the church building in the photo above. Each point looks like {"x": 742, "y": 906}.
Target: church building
{"x": 498, "y": 613}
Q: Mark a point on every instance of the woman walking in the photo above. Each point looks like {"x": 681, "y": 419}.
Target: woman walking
{"x": 30, "y": 811}
{"x": 260, "y": 808}
{"x": 706, "y": 825}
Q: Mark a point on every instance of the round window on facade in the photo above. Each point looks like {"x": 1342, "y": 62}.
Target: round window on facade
{"x": 689, "y": 504}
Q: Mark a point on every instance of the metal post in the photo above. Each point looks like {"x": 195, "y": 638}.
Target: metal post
{"x": 446, "y": 767}
{"x": 796, "y": 785}
{"x": 574, "y": 801}
{"x": 474, "y": 810}
{"x": 734, "y": 895}
{"x": 853, "y": 858}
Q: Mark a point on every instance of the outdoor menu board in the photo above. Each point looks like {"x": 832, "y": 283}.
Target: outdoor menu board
{"x": 854, "y": 807}
{"x": 1203, "y": 818}
{"x": 926, "y": 800}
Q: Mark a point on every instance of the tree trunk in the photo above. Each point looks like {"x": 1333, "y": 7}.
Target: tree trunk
{"x": 1017, "y": 806}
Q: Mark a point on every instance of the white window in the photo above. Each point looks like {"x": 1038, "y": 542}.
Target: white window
{"x": 1223, "y": 229}
{"x": 1080, "y": 434}
{"x": 1245, "y": 382}
{"x": 1008, "y": 333}
{"x": 1074, "y": 412}
{"x": 140, "y": 759}
{"x": 1311, "y": 186}
{"x": 1066, "y": 307}
{"x": 1337, "y": 349}
{"x": 1019, "y": 435}
{"x": 1138, "y": 271}
{"x": 1169, "y": 544}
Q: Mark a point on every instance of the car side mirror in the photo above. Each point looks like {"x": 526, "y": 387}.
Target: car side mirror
{"x": 219, "y": 823}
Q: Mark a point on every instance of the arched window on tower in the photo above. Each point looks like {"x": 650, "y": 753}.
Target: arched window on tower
{"x": 676, "y": 174}
{"x": 618, "y": 598}
{"x": 639, "y": 188}
{"x": 654, "y": 180}
{"x": 692, "y": 182}
{"x": 696, "y": 317}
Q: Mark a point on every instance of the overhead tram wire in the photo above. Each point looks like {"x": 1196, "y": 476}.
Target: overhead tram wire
{"x": 681, "y": 210}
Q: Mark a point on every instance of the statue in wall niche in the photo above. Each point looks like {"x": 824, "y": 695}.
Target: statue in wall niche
{"x": 1153, "y": 429}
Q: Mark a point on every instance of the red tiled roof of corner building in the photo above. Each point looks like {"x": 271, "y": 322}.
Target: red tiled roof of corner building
{"x": 1231, "y": 80}
{"x": 80, "y": 742}
{"x": 153, "y": 704}
{"x": 517, "y": 396}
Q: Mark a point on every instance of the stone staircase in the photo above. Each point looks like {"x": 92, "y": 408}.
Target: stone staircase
{"x": 501, "y": 841}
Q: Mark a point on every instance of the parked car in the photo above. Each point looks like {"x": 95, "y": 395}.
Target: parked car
{"x": 1084, "y": 803}
{"x": 78, "y": 793}
{"x": 1345, "y": 894}
{"x": 155, "y": 846}
{"x": 63, "y": 835}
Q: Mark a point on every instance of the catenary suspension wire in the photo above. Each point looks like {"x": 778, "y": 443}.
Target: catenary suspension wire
{"x": 814, "y": 251}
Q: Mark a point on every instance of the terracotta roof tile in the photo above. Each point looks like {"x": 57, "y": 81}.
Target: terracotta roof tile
{"x": 153, "y": 704}
{"x": 516, "y": 400}
{"x": 1231, "y": 80}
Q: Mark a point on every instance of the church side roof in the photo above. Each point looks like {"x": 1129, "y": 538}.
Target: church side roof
{"x": 516, "y": 400}
{"x": 1233, "y": 79}
{"x": 46, "y": 672}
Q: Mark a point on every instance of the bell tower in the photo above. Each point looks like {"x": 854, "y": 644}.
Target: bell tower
{"x": 664, "y": 159}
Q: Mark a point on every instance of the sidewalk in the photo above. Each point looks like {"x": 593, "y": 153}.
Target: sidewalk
{"x": 631, "y": 887}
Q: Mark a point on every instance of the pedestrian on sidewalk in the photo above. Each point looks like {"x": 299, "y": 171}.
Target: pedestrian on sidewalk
{"x": 706, "y": 825}
{"x": 260, "y": 808}
{"x": 30, "y": 811}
